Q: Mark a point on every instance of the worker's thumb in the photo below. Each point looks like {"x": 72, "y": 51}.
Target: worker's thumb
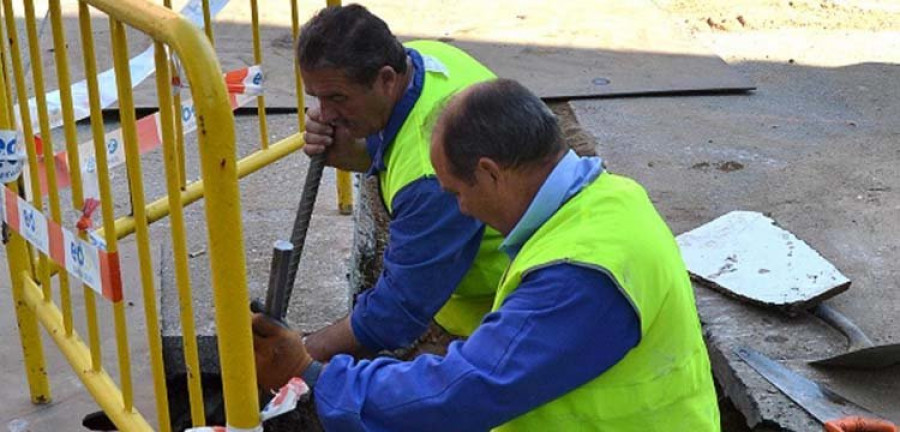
{"x": 263, "y": 326}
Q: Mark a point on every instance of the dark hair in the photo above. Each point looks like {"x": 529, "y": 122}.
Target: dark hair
{"x": 500, "y": 120}
{"x": 352, "y": 39}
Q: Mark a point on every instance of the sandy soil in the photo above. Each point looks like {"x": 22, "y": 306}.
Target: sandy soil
{"x": 749, "y": 15}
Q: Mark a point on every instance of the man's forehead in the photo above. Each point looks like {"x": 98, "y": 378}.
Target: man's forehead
{"x": 325, "y": 79}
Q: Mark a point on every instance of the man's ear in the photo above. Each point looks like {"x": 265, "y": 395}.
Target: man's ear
{"x": 488, "y": 169}
{"x": 387, "y": 78}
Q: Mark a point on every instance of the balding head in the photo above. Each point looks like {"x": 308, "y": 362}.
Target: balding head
{"x": 492, "y": 147}
{"x": 500, "y": 120}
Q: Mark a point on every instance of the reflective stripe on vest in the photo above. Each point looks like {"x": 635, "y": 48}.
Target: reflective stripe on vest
{"x": 408, "y": 159}
{"x": 664, "y": 383}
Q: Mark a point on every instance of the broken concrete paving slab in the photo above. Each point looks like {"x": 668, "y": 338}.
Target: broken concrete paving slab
{"x": 745, "y": 254}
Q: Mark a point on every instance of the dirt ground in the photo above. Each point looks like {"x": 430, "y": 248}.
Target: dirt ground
{"x": 751, "y": 15}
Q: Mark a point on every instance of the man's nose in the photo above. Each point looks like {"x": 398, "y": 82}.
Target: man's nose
{"x": 327, "y": 111}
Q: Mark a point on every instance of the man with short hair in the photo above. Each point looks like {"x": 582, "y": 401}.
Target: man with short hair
{"x": 594, "y": 325}
{"x": 376, "y": 102}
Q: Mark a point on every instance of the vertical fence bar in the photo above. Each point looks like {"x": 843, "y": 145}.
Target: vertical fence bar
{"x": 71, "y": 137}
{"x": 37, "y": 73}
{"x": 179, "y": 239}
{"x": 4, "y": 68}
{"x": 207, "y": 21}
{"x": 90, "y": 75}
{"x": 257, "y": 58}
{"x": 65, "y": 96}
{"x": 18, "y": 255}
{"x": 132, "y": 160}
{"x": 179, "y": 127}
{"x": 25, "y": 116}
{"x": 179, "y": 137}
{"x": 344, "y": 181}
{"x": 298, "y": 81}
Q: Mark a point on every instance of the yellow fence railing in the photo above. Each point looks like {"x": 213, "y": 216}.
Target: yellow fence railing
{"x": 44, "y": 249}
{"x": 48, "y": 252}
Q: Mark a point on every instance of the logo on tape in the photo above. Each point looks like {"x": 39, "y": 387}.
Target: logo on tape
{"x": 12, "y": 156}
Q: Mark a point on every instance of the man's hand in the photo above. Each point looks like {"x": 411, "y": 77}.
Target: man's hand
{"x": 859, "y": 424}
{"x": 337, "y": 338}
{"x": 280, "y": 354}
{"x": 340, "y": 148}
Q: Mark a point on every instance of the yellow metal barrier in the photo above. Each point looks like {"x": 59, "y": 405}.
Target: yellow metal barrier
{"x": 33, "y": 282}
{"x": 35, "y": 271}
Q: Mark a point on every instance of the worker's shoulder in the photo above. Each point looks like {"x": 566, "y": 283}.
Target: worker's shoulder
{"x": 450, "y": 55}
{"x": 431, "y": 45}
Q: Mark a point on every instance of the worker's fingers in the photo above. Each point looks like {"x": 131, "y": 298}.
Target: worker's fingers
{"x": 314, "y": 144}
{"x": 313, "y": 113}
{"x": 317, "y": 128}
{"x": 859, "y": 424}
{"x": 264, "y": 327}
{"x": 315, "y": 124}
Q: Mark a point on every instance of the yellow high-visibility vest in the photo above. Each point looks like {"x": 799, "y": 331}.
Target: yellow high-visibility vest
{"x": 662, "y": 384}
{"x": 408, "y": 159}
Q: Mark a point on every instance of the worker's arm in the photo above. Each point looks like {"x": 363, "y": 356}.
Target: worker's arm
{"x": 563, "y": 326}
{"x": 431, "y": 247}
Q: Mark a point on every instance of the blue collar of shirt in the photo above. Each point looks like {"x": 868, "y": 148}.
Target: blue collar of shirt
{"x": 377, "y": 143}
{"x": 570, "y": 175}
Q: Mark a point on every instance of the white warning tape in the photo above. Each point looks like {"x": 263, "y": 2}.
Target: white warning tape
{"x": 285, "y": 401}
{"x": 98, "y": 269}
{"x": 243, "y": 86}
{"x": 141, "y": 67}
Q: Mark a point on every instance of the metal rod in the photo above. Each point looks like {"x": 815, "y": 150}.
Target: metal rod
{"x": 276, "y": 296}
{"x": 304, "y": 214}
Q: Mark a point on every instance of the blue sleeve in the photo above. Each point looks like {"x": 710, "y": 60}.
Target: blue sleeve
{"x": 563, "y": 326}
{"x": 430, "y": 248}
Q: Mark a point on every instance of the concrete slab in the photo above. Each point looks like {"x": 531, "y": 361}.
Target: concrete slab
{"x": 746, "y": 255}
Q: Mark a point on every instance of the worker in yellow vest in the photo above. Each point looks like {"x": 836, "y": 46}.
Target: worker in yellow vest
{"x": 594, "y": 325}
{"x": 377, "y": 99}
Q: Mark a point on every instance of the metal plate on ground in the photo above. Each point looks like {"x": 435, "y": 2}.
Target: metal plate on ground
{"x": 746, "y": 255}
